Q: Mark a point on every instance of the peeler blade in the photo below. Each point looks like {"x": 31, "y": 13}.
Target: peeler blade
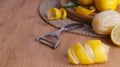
{"x": 50, "y": 41}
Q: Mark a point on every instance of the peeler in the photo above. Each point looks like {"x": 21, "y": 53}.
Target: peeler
{"x": 53, "y": 39}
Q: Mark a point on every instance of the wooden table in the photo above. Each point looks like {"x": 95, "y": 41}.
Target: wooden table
{"x": 20, "y": 24}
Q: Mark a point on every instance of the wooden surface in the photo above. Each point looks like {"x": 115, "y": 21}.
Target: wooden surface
{"x": 20, "y": 24}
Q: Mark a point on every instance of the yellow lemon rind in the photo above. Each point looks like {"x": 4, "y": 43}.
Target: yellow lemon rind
{"x": 84, "y": 11}
{"x": 81, "y": 54}
{"x": 64, "y": 13}
{"x": 53, "y": 14}
{"x": 98, "y": 49}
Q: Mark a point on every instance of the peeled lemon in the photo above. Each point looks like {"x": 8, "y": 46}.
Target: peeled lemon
{"x": 94, "y": 51}
{"x": 104, "y": 22}
{"x": 115, "y": 35}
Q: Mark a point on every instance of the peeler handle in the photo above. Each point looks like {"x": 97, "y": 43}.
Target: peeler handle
{"x": 72, "y": 26}
{"x": 56, "y": 34}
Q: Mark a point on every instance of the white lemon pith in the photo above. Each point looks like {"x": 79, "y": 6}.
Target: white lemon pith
{"x": 94, "y": 51}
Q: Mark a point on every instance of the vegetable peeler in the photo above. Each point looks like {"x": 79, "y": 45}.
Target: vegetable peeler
{"x": 53, "y": 39}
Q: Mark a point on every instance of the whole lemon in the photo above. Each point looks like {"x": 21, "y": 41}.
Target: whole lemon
{"x": 118, "y": 1}
{"x": 86, "y": 2}
{"x": 103, "y": 5}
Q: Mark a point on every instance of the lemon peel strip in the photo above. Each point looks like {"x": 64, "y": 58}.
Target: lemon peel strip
{"x": 98, "y": 50}
{"x": 94, "y": 51}
{"x": 84, "y": 11}
{"x": 63, "y": 12}
{"x": 81, "y": 54}
{"x": 55, "y": 14}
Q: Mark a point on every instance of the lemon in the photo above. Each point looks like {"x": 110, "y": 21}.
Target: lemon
{"x": 94, "y": 51}
{"x": 118, "y": 2}
{"x": 103, "y": 5}
{"x": 115, "y": 35}
{"x": 84, "y": 11}
{"x": 86, "y": 2}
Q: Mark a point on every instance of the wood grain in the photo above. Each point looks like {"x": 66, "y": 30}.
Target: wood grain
{"x": 20, "y": 24}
